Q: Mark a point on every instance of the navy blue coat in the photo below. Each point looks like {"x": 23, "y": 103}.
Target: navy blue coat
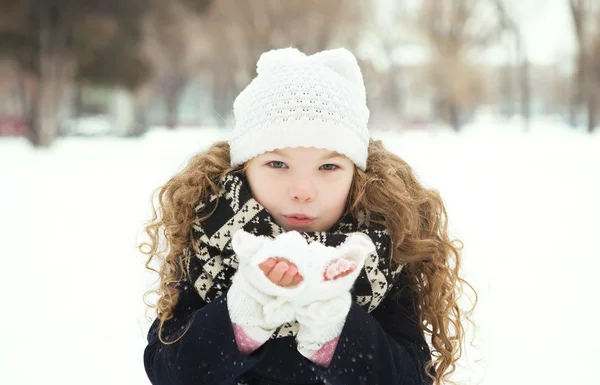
{"x": 384, "y": 347}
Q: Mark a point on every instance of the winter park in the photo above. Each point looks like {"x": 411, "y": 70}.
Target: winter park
{"x": 493, "y": 104}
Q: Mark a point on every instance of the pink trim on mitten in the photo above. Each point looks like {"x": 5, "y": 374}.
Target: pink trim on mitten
{"x": 245, "y": 343}
{"x": 324, "y": 356}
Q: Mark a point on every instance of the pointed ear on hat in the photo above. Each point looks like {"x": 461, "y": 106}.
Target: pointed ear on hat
{"x": 343, "y": 62}
{"x": 270, "y": 60}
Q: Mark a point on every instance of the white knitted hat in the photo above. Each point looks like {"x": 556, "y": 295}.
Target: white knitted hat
{"x": 302, "y": 101}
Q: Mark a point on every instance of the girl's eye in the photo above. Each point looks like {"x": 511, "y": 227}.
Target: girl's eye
{"x": 329, "y": 167}
{"x": 276, "y": 164}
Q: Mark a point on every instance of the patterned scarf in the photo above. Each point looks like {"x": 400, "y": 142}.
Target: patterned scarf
{"x": 211, "y": 262}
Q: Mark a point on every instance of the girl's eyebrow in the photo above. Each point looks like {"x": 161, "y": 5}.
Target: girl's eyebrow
{"x": 331, "y": 156}
{"x": 277, "y": 152}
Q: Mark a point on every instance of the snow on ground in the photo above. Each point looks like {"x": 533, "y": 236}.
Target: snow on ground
{"x": 526, "y": 205}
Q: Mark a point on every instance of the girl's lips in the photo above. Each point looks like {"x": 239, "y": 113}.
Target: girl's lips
{"x": 298, "y": 220}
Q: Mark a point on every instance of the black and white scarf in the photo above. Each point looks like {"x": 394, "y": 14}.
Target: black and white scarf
{"x": 211, "y": 262}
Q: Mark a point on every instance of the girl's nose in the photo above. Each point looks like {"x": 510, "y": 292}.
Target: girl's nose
{"x": 303, "y": 190}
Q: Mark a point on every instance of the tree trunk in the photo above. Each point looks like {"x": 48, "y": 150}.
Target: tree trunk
{"x": 391, "y": 99}
{"x": 592, "y": 110}
{"x": 220, "y": 100}
{"x": 173, "y": 94}
{"x": 454, "y": 115}
{"x": 56, "y": 70}
{"x": 23, "y": 102}
{"x": 525, "y": 94}
{"x": 507, "y": 109}
{"x": 140, "y": 124}
{"x": 525, "y": 101}
{"x": 46, "y": 110}
{"x": 573, "y": 105}
{"x": 580, "y": 94}
{"x": 78, "y": 101}
{"x": 172, "y": 111}
{"x": 577, "y": 91}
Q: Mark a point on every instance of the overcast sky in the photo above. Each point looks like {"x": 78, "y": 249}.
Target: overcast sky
{"x": 548, "y": 30}
{"x": 546, "y": 27}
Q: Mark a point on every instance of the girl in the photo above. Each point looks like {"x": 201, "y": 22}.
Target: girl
{"x": 302, "y": 251}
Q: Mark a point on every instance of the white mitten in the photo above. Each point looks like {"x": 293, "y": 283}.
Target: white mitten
{"x": 322, "y": 308}
{"x": 256, "y": 305}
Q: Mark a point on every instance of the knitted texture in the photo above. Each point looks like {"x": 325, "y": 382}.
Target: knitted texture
{"x": 322, "y": 301}
{"x": 256, "y": 305}
{"x": 249, "y": 306}
{"x": 313, "y": 260}
{"x": 212, "y": 263}
{"x": 254, "y": 314}
{"x": 302, "y": 101}
{"x": 253, "y": 250}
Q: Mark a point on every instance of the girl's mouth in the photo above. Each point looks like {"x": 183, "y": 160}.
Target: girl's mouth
{"x": 298, "y": 220}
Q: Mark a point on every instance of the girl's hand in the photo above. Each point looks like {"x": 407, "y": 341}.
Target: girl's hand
{"x": 281, "y": 272}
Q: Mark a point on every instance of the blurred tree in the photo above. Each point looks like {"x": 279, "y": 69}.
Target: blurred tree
{"x": 239, "y": 31}
{"x": 117, "y": 61}
{"x": 60, "y": 41}
{"x": 175, "y": 47}
{"x": 509, "y": 24}
{"x": 393, "y": 53}
{"x": 586, "y": 95}
{"x": 309, "y": 25}
{"x": 200, "y": 7}
{"x": 454, "y": 29}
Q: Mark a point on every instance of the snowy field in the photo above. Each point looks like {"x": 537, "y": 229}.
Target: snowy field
{"x": 526, "y": 206}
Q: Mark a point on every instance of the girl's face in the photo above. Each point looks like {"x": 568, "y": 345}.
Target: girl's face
{"x": 303, "y": 188}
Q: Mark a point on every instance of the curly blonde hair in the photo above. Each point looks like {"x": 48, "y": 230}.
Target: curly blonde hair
{"x": 389, "y": 190}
